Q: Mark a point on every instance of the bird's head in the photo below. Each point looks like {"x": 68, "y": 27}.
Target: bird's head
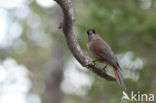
{"x": 92, "y": 34}
{"x": 91, "y": 31}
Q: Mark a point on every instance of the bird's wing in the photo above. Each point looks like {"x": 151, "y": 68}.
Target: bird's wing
{"x": 106, "y": 54}
{"x": 104, "y": 51}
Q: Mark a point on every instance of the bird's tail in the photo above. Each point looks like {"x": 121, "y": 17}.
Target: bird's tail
{"x": 119, "y": 77}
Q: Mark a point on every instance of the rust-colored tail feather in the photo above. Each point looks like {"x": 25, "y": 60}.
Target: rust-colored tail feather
{"x": 119, "y": 77}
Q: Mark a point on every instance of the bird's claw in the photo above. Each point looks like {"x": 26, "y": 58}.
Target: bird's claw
{"x": 94, "y": 61}
{"x": 104, "y": 68}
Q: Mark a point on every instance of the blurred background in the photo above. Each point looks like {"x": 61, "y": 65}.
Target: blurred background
{"x": 36, "y": 65}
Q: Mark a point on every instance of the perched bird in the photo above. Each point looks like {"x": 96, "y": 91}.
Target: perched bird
{"x": 103, "y": 53}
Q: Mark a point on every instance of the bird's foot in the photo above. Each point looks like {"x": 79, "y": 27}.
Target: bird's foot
{"x": 94, "y": 61}
{"x": 104, "y": 68}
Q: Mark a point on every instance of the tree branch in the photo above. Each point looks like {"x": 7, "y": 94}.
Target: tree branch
{"x": 72, "y": 43}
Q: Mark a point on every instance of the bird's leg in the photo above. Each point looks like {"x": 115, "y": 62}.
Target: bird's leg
{"x": 104, "y": 68}
{"x": 94, "y": 61}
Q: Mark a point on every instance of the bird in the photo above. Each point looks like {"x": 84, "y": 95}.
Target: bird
{"x": 103, "y": 53}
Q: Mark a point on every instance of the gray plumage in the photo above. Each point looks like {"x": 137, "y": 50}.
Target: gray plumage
{"x": 103, "y": 53}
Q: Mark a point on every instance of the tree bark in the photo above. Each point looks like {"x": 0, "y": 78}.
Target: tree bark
{"x": 54, "y": 75}
{"x": 67, "y": 27}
